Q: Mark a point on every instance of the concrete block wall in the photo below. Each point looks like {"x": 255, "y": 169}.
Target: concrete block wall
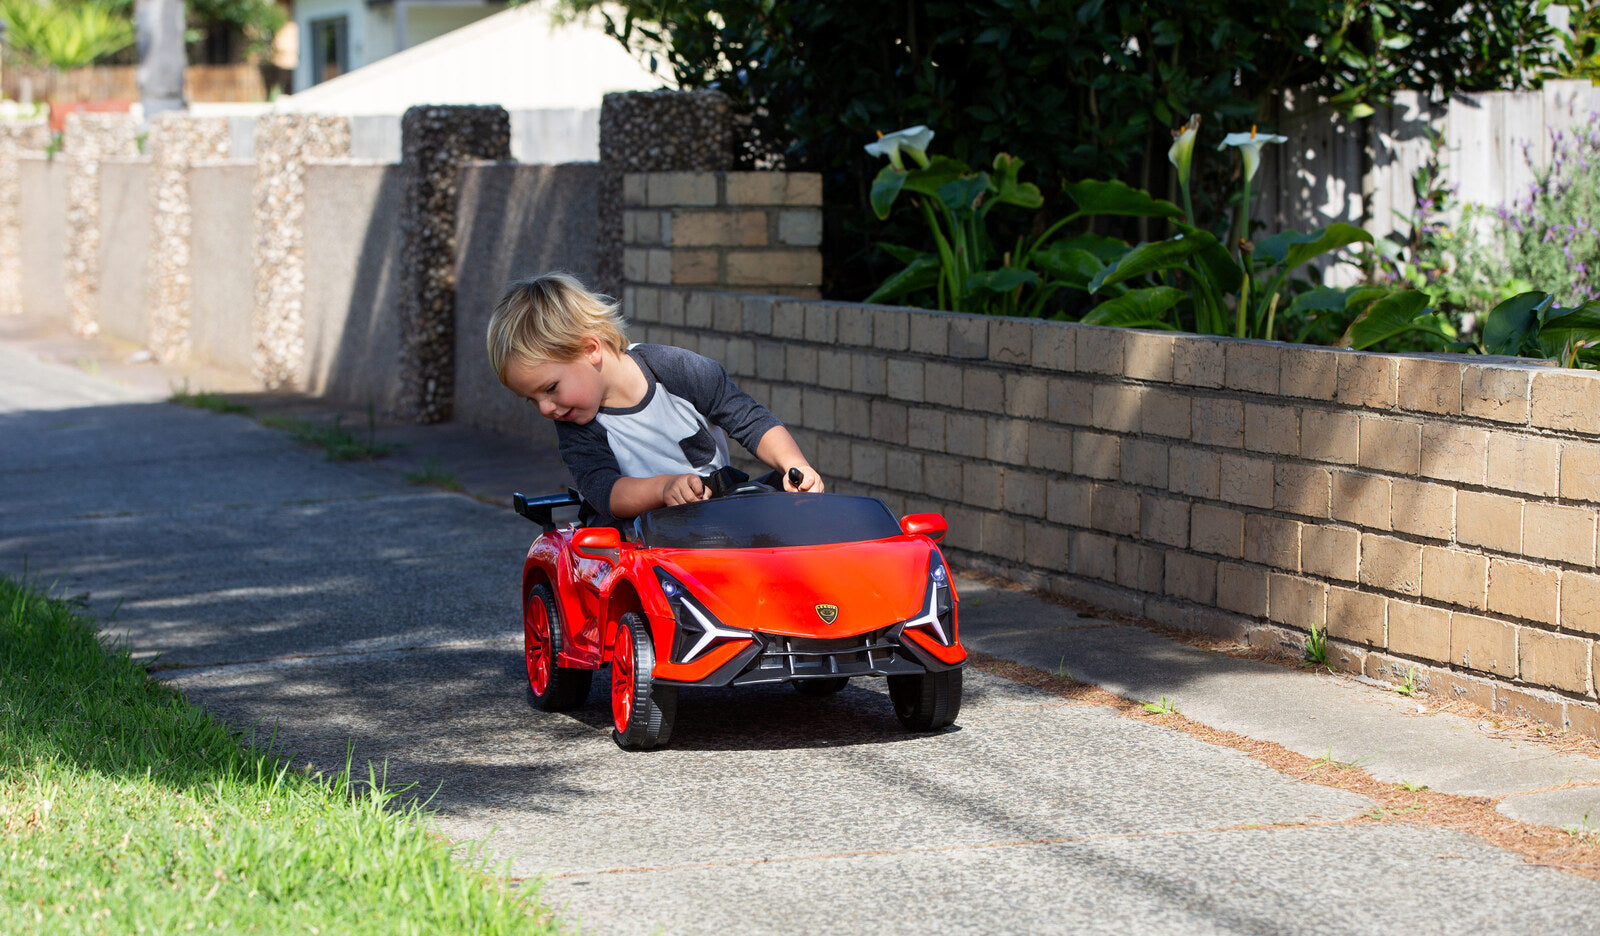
{"x": 1435, "y": 515}
{"x": 89, "y": 139}
{"x": 124, "y": 218}
{"x": 752, "y": 231}
{"x": 18, "y": 138}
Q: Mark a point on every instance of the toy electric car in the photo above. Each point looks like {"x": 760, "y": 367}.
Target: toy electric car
{"x": 749, "y": 587}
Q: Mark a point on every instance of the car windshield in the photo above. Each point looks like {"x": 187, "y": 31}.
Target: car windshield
{"x": 766, "y": 521}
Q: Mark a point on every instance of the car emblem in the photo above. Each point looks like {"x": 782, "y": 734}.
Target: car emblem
{"x": 828, "y": 613}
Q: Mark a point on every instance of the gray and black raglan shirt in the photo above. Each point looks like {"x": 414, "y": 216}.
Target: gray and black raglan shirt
{"x": 676, "y": 429}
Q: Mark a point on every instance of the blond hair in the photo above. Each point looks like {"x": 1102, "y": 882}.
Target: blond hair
{"x": 548, "y": 318}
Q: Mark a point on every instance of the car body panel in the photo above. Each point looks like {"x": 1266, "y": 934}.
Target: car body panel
{"x": 874, "y": 586}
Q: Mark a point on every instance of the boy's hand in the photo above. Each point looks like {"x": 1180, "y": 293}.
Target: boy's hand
{"x": 684, "y": 489}
{"x": 809, "y": 481}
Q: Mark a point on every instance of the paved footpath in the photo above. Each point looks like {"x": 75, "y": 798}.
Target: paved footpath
{"x": 337, "y": 603}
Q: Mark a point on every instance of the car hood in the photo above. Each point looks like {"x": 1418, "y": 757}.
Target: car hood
{"x": 873, "y": 585}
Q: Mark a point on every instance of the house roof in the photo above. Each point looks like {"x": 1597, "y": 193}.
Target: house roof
{"x": 518, "y": 58}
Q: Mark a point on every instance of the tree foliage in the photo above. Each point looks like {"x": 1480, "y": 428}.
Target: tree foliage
{"x": 61, "y": 34}
{"x": 1077, "y": 90}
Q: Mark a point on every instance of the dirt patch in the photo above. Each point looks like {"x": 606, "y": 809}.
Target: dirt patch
{"x": 1397, "y": 805}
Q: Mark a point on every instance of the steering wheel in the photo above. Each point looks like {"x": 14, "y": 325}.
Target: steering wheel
{"x": 729, "y": 480}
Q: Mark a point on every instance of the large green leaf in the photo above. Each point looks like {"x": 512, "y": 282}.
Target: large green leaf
{"x": 1138, "y": 308}
{"x": 962, "y": 194}
{"x": 1009, "y": 190}
{"x": 1118, "y": 198}
{"x": 1147, "y": 258}
{"x": 1514, "y": 323}
{"x": 1105, "y": 249}
{"x": 1563, "y": 329}
{"x": 1321, "y": 299}
{"x": 1070, "y": 266}
{"x": 1001, "y": 281}
{"x": 1291, "y": 248}
{"x": 940, "y": 172}
{"x": 920, "y": 274}
{"x": 1395, "y": 314}
{"x": 1215, "y": 261}
{"x": 900, "y": 252}
{"x": 885, "y": 189}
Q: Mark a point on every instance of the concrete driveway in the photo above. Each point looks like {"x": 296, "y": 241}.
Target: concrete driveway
{"x": 337, "y": 605}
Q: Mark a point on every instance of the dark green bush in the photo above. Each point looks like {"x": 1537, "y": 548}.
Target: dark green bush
{"x": 1075, "y": 90}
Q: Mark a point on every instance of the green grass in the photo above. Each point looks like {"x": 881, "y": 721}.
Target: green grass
{"x": 431, "y": 475}
{"x": 123, "y": 809}
{"x": 339, "y": 442}
{"x": 1316, "y": 649}
{"x": 201, "y": 399}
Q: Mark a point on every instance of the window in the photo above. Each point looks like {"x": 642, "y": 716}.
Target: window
{"x": 330, "y": 48}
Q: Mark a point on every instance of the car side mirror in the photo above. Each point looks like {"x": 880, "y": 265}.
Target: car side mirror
{"x": 598, "y": 542}
{"x": 931, "y": 525}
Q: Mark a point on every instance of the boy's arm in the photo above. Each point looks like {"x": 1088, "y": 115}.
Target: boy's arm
{"x": 631, "y": 497}
{"x": 777, "y": 449}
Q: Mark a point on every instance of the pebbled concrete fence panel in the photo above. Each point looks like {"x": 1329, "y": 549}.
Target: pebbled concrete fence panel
{"x": 352, "y": 287}
{"x": 42, "y": 238}
{"x": 514, "y": 221}
{"x": 223, "y": 286}
{"x": 17, "y": 138}
{"x": 124, "y": 261}
{"x": 176, "y": 142}
{"x": 437, "y": 142}
{"x": 284, "y": 143}
{"x": 89, "y": 138}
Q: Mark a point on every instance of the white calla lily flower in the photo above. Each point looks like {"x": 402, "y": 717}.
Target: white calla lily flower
{"x": 913, "y": 140}
{"x": 1249, "y": 145}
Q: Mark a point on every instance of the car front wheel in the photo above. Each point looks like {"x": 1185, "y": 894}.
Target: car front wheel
{"x": 554, "y": 688}
{"x": 928, "y": 701}
{"x": 641, "y": 711}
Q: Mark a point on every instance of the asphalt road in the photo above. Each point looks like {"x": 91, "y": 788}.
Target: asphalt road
{"x": 336, "y": 604}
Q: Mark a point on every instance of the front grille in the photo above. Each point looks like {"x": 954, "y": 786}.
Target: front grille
{"x": 784, "y": 658}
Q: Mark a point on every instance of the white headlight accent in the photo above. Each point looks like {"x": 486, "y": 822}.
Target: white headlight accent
{"x": 929, "y": 617}
{"x": 709, "y": 630}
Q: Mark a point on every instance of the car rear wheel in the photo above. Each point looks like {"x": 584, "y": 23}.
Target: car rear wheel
{"x": 818, "y": 688}
{"x": 554, "y": 688}
{"x": 928, "y": 701}
{"x": 641, "y": 711}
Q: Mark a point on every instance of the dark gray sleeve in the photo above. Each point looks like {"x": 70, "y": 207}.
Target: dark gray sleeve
{"x": 705, "y": 384}
{"x": 588, "y": 456}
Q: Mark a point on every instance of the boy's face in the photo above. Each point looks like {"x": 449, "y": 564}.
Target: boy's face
{"x": 568, "y": 391}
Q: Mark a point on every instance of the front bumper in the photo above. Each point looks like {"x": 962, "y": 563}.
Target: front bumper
{"x": 778, "y": 658}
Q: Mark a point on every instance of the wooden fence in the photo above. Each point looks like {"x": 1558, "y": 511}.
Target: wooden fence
{"x": 241, "y": 82}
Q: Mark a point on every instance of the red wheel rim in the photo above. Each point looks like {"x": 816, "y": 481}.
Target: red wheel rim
{"x": 536, "y": 644}
{"x": 622, "y": 680}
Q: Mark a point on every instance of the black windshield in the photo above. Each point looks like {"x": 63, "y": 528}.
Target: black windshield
{"x": 766, "y": 521}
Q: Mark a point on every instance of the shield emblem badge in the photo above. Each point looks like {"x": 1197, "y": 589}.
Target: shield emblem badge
{"x": 829, "y": 613}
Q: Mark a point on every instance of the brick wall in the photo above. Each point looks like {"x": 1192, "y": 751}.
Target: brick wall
{"x": 754, "y": 231}
{"x": 1435, "y": 514}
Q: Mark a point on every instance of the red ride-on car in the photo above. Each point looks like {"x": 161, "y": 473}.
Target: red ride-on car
{"x": 750, "y": 587}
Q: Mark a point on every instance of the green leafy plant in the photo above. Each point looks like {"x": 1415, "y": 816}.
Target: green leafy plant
{"x": 1164, "y": 707}
{"x": 332, "y": 437}
{"x": 431, "y": 475}
{"x": 1409, "y": 687}
{"x": 1195, "y": 280}
{"x": 213, "y": 402}
{"x": 62, "y": 35}
{"x": 1316, "y": 648}
{"x": 1531, "y": 325}
{"x": 955, "y": 202}
{"x": 1411, "y": 787}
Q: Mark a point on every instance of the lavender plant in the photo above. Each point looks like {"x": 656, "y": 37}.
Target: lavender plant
{"x": 1546, "y": 239}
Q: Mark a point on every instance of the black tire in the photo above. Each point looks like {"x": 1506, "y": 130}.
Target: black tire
{"x": 568, "y": 687}
{"x": 650, "y": 709}
{"x": 820, "y": 688}
{"x": 926, "y": 702}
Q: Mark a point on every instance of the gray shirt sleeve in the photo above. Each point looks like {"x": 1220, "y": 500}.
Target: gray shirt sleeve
{"x": 706, "y": 385}
{"x": 589, "y": 458}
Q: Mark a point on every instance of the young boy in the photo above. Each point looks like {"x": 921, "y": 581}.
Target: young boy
{"x": 640, "y": 426}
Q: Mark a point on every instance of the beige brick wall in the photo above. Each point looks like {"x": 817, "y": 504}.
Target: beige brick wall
{"x": 754, "y": 231}
{"x": 1438, "y": 515}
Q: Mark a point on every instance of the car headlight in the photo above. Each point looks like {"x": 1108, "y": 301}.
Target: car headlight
{"x": 938, "y": 615}
{"x": 698, "y": 630}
